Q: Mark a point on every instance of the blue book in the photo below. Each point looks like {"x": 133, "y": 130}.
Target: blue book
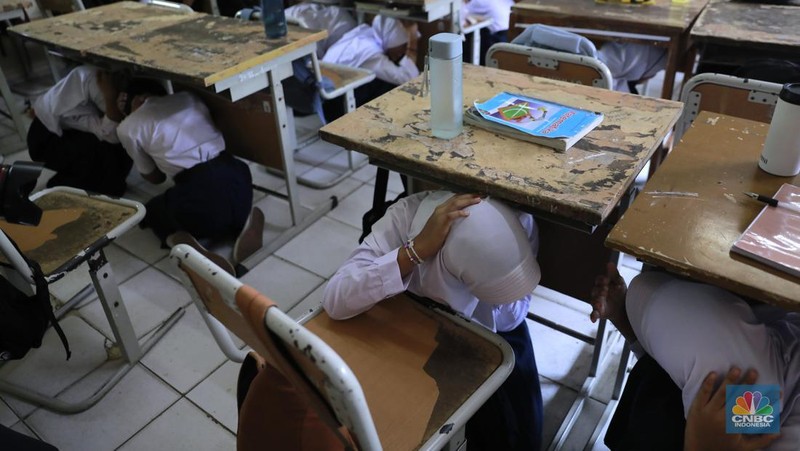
{"x": 534, "y": 120}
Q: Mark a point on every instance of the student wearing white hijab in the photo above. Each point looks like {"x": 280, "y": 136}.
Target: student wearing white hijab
{"x": 381, "y": 48}
{"x": 337, "y": 21}
{"x": 479, "y": 258}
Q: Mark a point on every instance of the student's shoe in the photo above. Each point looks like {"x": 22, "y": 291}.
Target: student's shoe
{"x": 251, "y": 238}
{"x": 186, "y": 238}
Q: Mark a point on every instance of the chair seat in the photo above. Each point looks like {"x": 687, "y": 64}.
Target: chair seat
{"x": 344, "y": 78}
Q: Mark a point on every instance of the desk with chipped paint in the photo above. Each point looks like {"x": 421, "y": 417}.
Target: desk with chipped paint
{"x": 692, "y": 210}
{"x": 74, "y": 229}
{"x": 228, "y": 55}
{"x": 663, "y": 23}
{"x": 729, "y": 33}
{"x": 581, "y": 186}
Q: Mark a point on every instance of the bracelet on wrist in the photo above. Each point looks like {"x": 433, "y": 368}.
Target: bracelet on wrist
{"x": 412, "y": 253}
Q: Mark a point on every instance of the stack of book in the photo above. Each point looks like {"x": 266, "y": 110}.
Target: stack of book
{"x": 533, "y": 120}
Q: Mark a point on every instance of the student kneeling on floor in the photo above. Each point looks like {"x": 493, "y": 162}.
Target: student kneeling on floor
{"x": 174, "y": 136}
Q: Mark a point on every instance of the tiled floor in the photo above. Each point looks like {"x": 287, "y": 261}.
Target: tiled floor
{"x": 181, "y": 395}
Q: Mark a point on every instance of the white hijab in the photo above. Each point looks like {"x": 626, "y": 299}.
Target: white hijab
{"x": 486, "y": 257}
{"x": 390, "y": 32}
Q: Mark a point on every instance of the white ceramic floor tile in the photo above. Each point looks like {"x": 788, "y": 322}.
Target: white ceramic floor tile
{"x": 135, "y": 401}
{"x": 313, "y": 197}
{"x": 557, "y": 401}
{"x": 142, "y": 243}
{"x": 266, "y": 179}
{"x": 323, "y": 247}
{"x": 340, "y": 162}
{"x": 307, "y": 128}
{"x": 72, "y": 283}
{"x": 46, "y": 369}
{"x": 560, "y": 357}
{"x": 351, "y": 209}
{"x": 366, "y": 174}
{"x": 321, "y": 176}
{"x": 183, "y": 427}
{"x": 150, "y": 297}
{"x": 563, "y": 315}
{"x": 582, "y": 431}
{"x": 307, "y": 306}
{"x": 187, "y": 354}
{"x": 124, "y": 264}
{"x": 7, "y": 416}
{"x": 317, "y": 152}
{"x": 603, "y": 387}
{"x": 283, "y": 282}
{"x": 217, "y": 395}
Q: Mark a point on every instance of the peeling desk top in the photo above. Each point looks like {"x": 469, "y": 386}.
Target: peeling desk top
{"x": 581, "y": 185}
{"x": 662, "y": 14}
{"x": 190, "y": 47}
{"x": 70, "y": 224}
{"x": 11, "y": 5}
{"x": 692, "y": 210}
{"x": 752, "y": 24}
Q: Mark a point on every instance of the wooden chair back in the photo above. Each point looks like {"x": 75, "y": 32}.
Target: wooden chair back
{"x": 552, "y": 64}
{"x": 734, "y": 96}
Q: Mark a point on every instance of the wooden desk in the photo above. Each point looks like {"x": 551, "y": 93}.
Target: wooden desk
{"x": 74, "y": 229}
{"x": 420, "y": 369}
{"x": 202, "y": 51}
{"x": 729, "y": 33}
{"x": 580, "y": 187}
{"x": 692, "y": 210}
{"x": 663, "y": 23}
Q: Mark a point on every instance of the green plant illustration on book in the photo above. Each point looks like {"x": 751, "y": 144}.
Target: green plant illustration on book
{"x": 520, "y": 112}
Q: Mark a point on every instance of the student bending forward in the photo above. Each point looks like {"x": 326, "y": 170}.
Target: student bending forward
{"x": 174, "y": 136}
{"x": 478, "y": 257}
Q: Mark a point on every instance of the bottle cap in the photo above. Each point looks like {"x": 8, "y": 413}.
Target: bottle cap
{"x": 790, "y": 93}
{"x": 445, "y": 46}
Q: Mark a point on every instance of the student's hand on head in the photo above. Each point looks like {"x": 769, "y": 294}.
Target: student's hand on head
{"x": 431, "y": 239}
{"x": 705, "y": 423}
{"x": 608, "y": 295}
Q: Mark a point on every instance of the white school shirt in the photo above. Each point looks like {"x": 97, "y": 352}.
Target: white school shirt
{"x": 497, "y": 10}
{"x": 361, "y": 47}
{"x": 371, "y": 275}
{"x": 312, "y": 16}
{"x": 76, "y": 103}
{"x": 171, "y": 133}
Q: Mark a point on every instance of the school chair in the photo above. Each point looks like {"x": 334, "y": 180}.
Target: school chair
{"x": 547, "y": 63}
{"x": 559, "y": 244}
{"x": 81, "y": 238}
{"x": 363, "y": 375}
{"x": 726, "y": 94}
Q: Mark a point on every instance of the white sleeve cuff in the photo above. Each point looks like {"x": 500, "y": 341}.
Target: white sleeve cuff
{"x": 389, "y": 272}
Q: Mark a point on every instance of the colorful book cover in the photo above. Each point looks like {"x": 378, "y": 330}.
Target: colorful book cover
{"x": 773, "y": 237}
{"x": 538, "y": 117}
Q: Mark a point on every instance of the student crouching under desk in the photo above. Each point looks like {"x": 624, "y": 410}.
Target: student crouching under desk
{"x": 174, "y": 136}
{"x": 381, "y": 48}
{"x": 74, "y": 133}
{"x": 479, "y": 257}
{"x": 696, "y": 333}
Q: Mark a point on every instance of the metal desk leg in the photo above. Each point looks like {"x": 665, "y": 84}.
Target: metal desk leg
{"x": 108, "y": 292}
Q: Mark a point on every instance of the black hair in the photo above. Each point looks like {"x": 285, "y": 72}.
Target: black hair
{"x": 138, "y": 86}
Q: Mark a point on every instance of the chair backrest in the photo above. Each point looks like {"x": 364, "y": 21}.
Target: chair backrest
{"x": 315, "y": 370}
{"x": 546, "y": 63}
{"x": 718, "y": 93}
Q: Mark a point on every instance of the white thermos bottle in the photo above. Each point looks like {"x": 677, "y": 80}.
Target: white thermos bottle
{"x": 781, "y": 154}
{"x": 444, "y": 60}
